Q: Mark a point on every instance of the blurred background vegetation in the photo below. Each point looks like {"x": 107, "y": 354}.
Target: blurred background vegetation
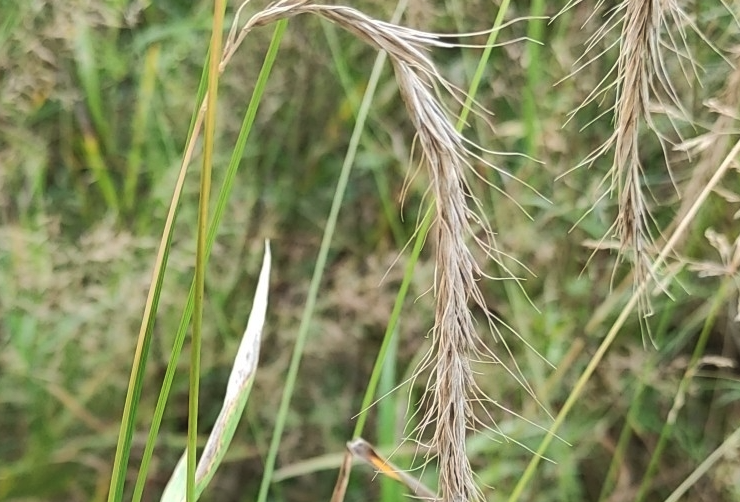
{"x": 95, "y": 106}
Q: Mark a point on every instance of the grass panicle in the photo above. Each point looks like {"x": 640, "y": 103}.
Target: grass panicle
{"x": 448, "y": 156}
{"x": 650, "y": 33}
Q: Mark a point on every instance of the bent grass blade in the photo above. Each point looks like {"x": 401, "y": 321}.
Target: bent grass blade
{"x": 237, "y": 393}
{"x": 362, "y": 450}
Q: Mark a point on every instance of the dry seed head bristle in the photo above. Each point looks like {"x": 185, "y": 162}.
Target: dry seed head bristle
{"x": 447, "y": 156}
{"x": 642, "y": 85}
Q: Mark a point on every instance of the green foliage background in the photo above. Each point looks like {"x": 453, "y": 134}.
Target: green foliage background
{"x": 95, "y": 101}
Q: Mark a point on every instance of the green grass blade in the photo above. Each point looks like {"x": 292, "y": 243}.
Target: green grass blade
{"x": 485, "y": 56}
{"x": 123, "y": 448}
{"x": 340, "y": 64}
{"x": 389, "y": 488}
{"x": 87, "y": 73}
{"x": 393, "y": 321}
{"x": 536, "y": 28}
{"x": 98, "y": 166}
{"x": 219, "y": 210}
{"x": 209, "y": 135}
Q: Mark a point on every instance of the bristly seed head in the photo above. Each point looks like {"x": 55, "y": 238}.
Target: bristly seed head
{"x": 447, "y": 156}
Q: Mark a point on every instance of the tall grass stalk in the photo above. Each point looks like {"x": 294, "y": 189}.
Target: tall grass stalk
{"x": 535, "y": 31}
{"x": 209, "y": 133}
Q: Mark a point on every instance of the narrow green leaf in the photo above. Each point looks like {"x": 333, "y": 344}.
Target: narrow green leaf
{"x": 209, "y": 137}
